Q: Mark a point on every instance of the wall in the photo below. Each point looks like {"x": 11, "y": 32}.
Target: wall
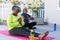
{"x": 5, "y": 10}
{"x": 51, "y": 11}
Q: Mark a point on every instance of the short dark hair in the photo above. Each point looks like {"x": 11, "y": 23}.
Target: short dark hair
{"x": 16, "y": 7}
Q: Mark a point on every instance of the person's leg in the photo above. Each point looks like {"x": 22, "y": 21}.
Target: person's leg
{"x": 30, "y": 25}
{"x": 25, "y": 32}
{"x": 20, "y": 32}
{"x": 42, "y": 36}
{"x": 33, "y": 23}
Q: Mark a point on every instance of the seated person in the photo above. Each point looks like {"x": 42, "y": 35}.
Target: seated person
{"x": 27, "y": 17}
{"x": 16, "y": 25}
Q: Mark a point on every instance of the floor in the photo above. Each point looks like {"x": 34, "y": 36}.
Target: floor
{"x": 39, "y": 29}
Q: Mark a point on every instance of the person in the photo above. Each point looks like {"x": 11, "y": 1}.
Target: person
{"x": 28, "y": 17}
{"x": 16, "y": 24}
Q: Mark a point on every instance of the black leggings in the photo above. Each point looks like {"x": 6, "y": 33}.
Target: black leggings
{"x": 22, "y": 32}
{"x": 30, "y": 25}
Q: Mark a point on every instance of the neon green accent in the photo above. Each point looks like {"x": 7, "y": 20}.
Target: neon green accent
{"x": 31, "y": 35}
{"x": 12, "y": 21}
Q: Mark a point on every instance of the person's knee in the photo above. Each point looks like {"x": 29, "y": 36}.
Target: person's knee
{"x": 35, "y": 23}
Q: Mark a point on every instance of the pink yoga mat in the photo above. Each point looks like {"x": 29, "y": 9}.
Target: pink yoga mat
{"x": 5, "y": 32}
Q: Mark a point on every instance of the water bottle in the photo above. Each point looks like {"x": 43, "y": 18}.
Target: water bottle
{"x": 54, "y": 27}
{"x": 32, "y": 35}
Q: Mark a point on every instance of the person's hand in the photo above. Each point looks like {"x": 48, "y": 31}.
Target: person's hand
{"x": 32, "y": 18}
{"x": 20, "y": 19}
{"x": 28, "y": 18}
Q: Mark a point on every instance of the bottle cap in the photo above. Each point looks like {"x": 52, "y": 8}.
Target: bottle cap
{"x": 32, "y": 30}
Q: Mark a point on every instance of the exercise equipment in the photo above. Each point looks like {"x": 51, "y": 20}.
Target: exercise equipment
{"x": 5, "y": 32}
{"x": 32, "y": 35}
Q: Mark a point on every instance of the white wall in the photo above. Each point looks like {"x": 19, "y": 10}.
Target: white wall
{"x": 52, "y": 12}
{"x": 6, "y": 10}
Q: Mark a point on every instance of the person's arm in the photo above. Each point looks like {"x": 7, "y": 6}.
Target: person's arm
{"x": 30, "y": 18}
{"x": 21, "y": 20}
{"x": 24, "y": 17}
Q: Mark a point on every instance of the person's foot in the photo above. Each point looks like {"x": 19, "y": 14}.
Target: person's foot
{"x": 42, "y": 36}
